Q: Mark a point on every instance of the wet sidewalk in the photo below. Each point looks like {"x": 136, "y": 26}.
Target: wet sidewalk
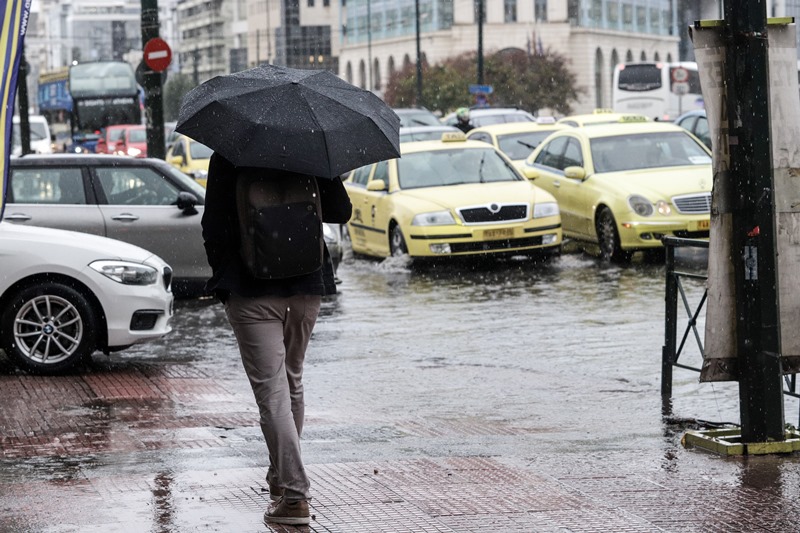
{"x": 161, "y": 449}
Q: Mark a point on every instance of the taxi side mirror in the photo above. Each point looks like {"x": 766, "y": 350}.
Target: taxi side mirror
{"x": 530, "y": 172}
{"x": 176, "y": 160}
{"x": 575, "y": 173}
{"x": 376, "y": 185}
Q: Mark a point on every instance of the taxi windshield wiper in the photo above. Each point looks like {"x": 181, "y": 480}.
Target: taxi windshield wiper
{"x": 526, "y": 144}
{"x": 480, "y": 167}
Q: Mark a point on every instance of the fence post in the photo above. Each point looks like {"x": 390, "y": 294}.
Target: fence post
{"x": 670, "y": 322}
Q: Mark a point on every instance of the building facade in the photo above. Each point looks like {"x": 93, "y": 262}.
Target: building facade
{"x": 593, "y": 35}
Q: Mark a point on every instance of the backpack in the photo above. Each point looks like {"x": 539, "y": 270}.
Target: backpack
{"x": 280, "y": 218}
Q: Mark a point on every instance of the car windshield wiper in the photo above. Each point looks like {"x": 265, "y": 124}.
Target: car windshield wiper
{"x": 480, "y": 168}
{"x": 527, "y": 145}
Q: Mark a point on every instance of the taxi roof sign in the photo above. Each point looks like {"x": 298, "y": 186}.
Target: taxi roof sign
{"x": 545, "y": 120}
{"x": 453, "y": 136}
{"x": 602, "y": 111}
{"x": 633, "y": 118}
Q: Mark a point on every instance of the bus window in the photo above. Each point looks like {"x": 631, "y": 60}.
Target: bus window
{"x": 660, "y": 91}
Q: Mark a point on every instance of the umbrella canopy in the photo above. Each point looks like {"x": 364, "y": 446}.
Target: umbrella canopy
{"x": 307, "y": 121}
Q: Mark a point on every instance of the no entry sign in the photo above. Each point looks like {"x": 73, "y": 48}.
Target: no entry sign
{"x": 157, "y": 54}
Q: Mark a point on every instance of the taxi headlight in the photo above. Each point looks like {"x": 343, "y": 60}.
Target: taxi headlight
{"x": 640, "y": 205}
{"x": 545, "y": 209}
{"x": 133, "y": 151}
{"x": 200, "y": 174}
{"x": 663, "y": 208}
{"x": 436, "y": 218}
{"x": 126, "y": 273}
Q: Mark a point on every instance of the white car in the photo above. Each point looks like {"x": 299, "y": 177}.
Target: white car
{"x": 64, "y": 295}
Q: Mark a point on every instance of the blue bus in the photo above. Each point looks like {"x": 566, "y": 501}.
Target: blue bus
{"x": 103, "y": 93}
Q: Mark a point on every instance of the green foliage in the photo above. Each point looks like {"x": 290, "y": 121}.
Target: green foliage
{"x": 174, "y": 90}
{"x": 531, "y": 82}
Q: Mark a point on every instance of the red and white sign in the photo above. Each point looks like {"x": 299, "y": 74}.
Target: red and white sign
{"x": 157, "y": 54}
{"x": 680, "y": 75}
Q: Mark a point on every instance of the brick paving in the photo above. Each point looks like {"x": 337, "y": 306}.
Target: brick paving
{"x": 169, "y": 448}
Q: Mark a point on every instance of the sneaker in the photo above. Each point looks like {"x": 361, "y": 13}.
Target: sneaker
{"x": 275, "y": 493}
{"x": 290, "y": 513}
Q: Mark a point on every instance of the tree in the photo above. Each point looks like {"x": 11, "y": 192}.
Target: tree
{"x": 530, "y": 82}
{"x": 174, "y": 90}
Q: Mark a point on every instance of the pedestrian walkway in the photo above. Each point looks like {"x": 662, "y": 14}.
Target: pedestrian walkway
{"x": 151, "y": 448}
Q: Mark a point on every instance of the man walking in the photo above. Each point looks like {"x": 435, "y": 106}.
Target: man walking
{"x": 272, "y": 320}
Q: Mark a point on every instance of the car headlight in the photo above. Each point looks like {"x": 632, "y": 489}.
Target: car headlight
{"x": 200, "y": 174}
{"x": 545, "y": 209}
{"x": 133, "y": 151}
{"x": 640, "y": 205}
{"x": 436, "y": 218}
{"x": 126, "y": 273}
{"x": 663, "y": 207}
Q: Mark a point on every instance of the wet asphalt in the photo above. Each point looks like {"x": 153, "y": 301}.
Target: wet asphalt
{"x": 510, "y": 396}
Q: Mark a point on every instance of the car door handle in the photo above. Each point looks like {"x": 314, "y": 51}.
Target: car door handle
{"x": 20, "y": 217}
{"x": 125, "y": 217}
{"x": 556, "y": 183}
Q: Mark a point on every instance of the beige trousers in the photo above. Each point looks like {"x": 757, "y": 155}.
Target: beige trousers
{"x": 273, "y": 333}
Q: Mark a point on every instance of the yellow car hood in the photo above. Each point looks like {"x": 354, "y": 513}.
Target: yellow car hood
{"x": 452, "y": 196}
{"x": 660, "y": 183}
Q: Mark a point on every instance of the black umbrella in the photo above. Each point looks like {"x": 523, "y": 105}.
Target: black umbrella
{"x": 307, "y": 121}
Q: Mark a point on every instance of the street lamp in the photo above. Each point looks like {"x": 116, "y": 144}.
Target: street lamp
{"x": 369, "y": 42}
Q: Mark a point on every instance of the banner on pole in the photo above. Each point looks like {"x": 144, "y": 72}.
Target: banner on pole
{"x": 12, "y": 33}
{"x": 720, "y": 357}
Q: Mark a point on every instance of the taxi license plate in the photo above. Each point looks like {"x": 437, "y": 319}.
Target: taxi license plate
{"x": 504, "y": 233}
{"x": 703, "y": 224}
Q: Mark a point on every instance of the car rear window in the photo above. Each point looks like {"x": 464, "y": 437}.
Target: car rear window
{"x": 61, "y": 186}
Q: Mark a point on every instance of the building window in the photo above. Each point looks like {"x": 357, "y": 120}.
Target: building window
{"x": 540, "y": 10}
{"x": 310, "y": 3}
{"x": 510, "y": 11}
{"x": 326, "y": 3}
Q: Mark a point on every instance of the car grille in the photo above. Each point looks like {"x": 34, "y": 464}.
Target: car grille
{"x": 502, "y": 244}
{"x": 494, "y": 213}
{"x": 693, "y": 204}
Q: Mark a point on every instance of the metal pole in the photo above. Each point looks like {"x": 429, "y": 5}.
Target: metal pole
{"x": 153, "y": 93}
{"x": 757, "y": 310}
{"x": 480, "y": 42}
{"x": 369, "y": 42}
{"x": 419, "y": 56}
{"x": 671, "y": 322}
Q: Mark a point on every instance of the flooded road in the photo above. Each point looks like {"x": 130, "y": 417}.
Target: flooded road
{"x": 544, "y": 377}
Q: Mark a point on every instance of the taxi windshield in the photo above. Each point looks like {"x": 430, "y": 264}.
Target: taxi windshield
{"x": 520, "y": 145}
{"x": 453, "y": 167}
{"x": 646, "y": 150}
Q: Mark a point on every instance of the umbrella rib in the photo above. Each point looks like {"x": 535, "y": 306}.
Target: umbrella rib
{"x": 324, "y": 133}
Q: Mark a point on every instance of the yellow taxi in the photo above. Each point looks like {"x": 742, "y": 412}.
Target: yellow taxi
{"x": 626, "y": 185}
{"x": 516, "y": 139}
{"x": 190, "y": 157}
{"x": 449, "y": 197}
{"x": 599, "y": 117}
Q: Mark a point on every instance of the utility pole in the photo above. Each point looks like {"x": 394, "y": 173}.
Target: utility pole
{"x": 754, "y": 231}
{"x": 419, "y": 56}
{"x": 153, "y": 82}
{"x": 480, "y": 42}
{"x": 369, "y": 42}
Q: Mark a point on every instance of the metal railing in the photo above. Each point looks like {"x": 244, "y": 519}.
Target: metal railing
{"x": 673, "y": 348}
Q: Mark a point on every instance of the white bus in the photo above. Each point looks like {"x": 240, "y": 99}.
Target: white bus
{"x": 660, "y": 91}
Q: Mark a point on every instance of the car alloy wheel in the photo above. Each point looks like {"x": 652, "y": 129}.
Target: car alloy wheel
{"x": 48, "y": 328}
